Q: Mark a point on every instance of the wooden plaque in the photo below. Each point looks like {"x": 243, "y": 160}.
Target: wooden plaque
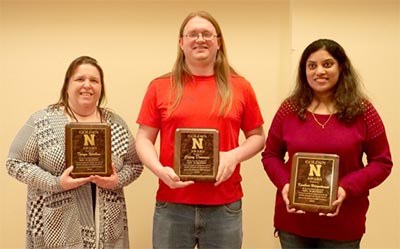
{"x": 314, "y": 182}
{"x": 88, "y": 149}
{"x": 196, "y": 154}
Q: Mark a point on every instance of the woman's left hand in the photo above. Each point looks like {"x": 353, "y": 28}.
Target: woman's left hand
{"x": 107, "y": 182}
{"x": 338, "y": 203}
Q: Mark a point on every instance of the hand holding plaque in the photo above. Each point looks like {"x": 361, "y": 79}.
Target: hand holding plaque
{"x": 196, "y": 154}
{"x": 88, "y": 149}
{"x": 314, "y": 182}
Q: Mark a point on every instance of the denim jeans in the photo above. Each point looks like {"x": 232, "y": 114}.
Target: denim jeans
{"x": 290, "y": 240}
{"x": 205, "y": 226}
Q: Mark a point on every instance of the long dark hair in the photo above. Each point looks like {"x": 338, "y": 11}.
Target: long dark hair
{"x": 63, "y": 100}
{"x": 347, "y": 94}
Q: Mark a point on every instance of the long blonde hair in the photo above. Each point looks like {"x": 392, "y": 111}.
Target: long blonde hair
{"x": 181, "y": 74}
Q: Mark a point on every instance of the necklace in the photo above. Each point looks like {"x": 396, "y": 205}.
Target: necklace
{"x": 316, "y": 120}
{"x": 73, "y": 115}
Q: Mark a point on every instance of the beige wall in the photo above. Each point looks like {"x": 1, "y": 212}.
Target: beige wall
{"x": 136, "y": 41}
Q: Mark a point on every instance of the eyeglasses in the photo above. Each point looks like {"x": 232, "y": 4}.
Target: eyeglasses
{"x": 205, "y": 35}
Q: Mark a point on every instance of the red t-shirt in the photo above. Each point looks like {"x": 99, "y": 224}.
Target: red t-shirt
{"x": 197, "y": 109}
{"x": 366, "y": 135}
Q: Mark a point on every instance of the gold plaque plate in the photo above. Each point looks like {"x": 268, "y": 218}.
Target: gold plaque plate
{"x": 314, "y": 182}
{"x": 196, "y": 154}
{"x": 88, "y": 149}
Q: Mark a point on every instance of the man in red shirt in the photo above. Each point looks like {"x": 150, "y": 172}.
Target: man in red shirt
{"x": 202, "y": 91}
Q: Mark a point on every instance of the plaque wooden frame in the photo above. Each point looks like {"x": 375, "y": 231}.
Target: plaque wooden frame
{"x": 88, "y": 149}
{"x": 196, "y": 154}
{"x": 314, "y": 182}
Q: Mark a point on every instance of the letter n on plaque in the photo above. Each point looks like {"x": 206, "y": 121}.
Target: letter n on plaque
{"x": 88, "y": 148}
{"x": 314, "y": 182}
{"x": 196, "y": 154}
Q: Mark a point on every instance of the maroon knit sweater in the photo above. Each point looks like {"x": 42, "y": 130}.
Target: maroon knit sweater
{"x": 366, "y": 136}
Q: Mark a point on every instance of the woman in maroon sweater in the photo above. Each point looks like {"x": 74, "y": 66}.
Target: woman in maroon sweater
{"x": 327, "y": 113}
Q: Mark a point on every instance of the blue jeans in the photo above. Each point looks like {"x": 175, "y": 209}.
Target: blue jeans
{"x": 290, "y": 240}
{"x": 187, "y": 226}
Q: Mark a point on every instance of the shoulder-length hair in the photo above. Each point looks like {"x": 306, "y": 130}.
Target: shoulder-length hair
{"x": 347, "y": 94}
{"x": 63, "y": 100}
{"x": 181, "y": 74}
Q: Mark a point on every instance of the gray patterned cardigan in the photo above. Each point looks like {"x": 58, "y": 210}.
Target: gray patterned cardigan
{"x": 65, "y": 219}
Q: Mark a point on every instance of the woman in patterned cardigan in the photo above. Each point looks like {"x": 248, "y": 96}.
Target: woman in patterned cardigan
{"x": 66, "y": 212}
